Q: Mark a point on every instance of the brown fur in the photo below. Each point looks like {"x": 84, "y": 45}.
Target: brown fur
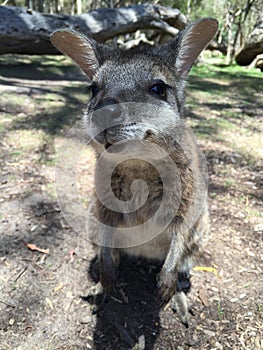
{"x": 156, "y": 120}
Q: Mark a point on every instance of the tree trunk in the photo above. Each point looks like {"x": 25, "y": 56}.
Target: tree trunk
{"x": 229, "y": 25}
{"x": 27, "y": 32}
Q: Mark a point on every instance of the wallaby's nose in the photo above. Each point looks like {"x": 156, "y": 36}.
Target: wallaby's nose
{"x": 107, "y": 114}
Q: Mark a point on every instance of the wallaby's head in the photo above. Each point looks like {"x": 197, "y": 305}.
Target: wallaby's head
{"x": 135, "y": 94}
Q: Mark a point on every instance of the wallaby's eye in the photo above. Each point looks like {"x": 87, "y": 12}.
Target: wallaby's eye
{"x": 158, "y": 89}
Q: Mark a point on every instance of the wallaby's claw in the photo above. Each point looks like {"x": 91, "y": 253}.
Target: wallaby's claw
{"x": 96, "y": 296}
{"x": 179, "y": 304}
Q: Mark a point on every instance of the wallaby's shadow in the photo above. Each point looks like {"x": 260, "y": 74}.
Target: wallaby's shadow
{"x": 131, "y": 310}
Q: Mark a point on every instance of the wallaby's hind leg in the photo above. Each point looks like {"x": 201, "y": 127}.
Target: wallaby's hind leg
{"x": 183, "y": 283}
{"x": 179, "y": 302}
{"x": 108, "y": 260}
{"x": 109, "y": 263}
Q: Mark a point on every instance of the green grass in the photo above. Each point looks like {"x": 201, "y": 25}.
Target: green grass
{"x": 215, "y": 67}
{"x": 220, "y": 311}
{"x": 260, "y": 308}
{"x": 225, "y": 105}
{"x": 38, "y": 67}
{"x": 229, "y": 182}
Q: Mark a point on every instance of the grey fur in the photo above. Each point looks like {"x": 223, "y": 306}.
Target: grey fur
{"x": 127, "y": 77}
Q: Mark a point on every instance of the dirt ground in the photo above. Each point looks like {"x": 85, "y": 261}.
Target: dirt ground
{"x": 42, "y": 294}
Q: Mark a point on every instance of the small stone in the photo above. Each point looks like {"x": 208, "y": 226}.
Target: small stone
{"x": 69, "y": 295}
{"x": 11, "y": 322}
{"x": 209, "y": 333}
{"x": 141, "y": 342}
{"x": 258, "y": 227}
{"x": 202, "y": 316}
{"x": 86, "y": 320}
{"x": 234, "y": 300}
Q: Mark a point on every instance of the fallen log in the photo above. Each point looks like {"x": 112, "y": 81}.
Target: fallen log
{"x": 215, "y": 46}
{"x": 253, "y": 45}
{"x": 24, "y": 31}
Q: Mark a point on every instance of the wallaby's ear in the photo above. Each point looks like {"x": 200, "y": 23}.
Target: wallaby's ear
{"x": 189, "y": 43}
{"x": 80, "y": 49}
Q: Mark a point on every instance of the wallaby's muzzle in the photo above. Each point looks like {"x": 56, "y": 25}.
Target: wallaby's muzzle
{"x": 108, "y": 116}
{"x": 107, "y": 113}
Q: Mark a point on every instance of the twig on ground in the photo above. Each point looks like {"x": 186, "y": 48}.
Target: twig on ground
{"x": 242, "y": 342}
{"x": 172, "y": 346}
{"x": 20, "y": 274}
{"x": 7, "y": 302}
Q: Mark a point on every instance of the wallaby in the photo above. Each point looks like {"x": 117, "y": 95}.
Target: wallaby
{"x": 139, "y": 96}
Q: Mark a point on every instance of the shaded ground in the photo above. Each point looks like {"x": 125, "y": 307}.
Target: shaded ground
{"x": 40, "y": 294}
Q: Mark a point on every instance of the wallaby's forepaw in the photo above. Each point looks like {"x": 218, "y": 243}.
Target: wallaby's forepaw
{"x": 108, "y": 268}
{"x": 177, "y": 299}
{"x": 179, "y": 304}
{"x": 108, "y": 276}
{"x": 166, "y": 289}
{"x": 96, "y": 296}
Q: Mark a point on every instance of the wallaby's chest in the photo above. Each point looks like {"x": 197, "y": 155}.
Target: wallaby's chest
{"x": 138, "y": 179}
{"x": 133, "y": 195}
